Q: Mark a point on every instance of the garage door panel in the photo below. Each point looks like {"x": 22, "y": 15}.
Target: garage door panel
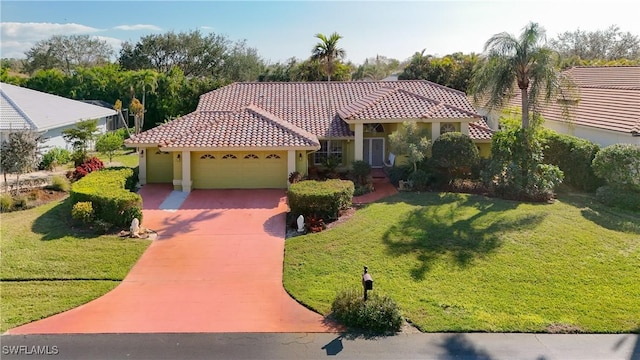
{"x": 239, "y": 170}
{"x": 159, "y": 166}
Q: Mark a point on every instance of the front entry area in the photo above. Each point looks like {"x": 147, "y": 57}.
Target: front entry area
{"x": 373, "y": 151}
{"x": 239, "y": 170}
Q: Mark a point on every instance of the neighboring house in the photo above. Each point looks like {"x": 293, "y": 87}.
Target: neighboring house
{"x": 604, "y": 106}
{"x": 49, "y": 115}
{"x": 252, "y": 135}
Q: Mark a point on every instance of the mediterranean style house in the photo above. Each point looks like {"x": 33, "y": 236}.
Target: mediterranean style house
{"x": 604, "y": 106}
{"x": 252, "y": 135}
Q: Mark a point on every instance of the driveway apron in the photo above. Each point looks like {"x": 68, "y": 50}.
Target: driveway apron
{"x": 216, "y": 266}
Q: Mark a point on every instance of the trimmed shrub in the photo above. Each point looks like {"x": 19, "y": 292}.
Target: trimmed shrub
{"x": 106, "y": 190}
{"x": 573, "y": 156}
{"x": 19, "y": 202}
{"x": 53, "y": 158}
{"x": 619, "y": 165}
{"x": 6, "y": 203}
{"x": 617, "y": 197}
{"x": 322, "y": 198}
{"x": 59, "y": 183}
{"x": 82, "y": 211}
{"x": 379, "y": 313}
{"x": 454, "y": 154}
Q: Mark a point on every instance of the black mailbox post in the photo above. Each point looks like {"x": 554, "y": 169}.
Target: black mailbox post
{"x": 367, "y": 282}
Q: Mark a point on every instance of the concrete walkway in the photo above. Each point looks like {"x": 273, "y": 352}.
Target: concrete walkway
{"x": 215, "y": 267}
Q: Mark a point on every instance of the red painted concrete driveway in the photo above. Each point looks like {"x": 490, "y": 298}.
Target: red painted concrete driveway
{"x": 215, "y": 267}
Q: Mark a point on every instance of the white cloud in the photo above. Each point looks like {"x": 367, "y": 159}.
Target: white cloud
{"x": 17, "y": 38}
{"x": 138, "y": 27}
{"x": 206, "y": 27}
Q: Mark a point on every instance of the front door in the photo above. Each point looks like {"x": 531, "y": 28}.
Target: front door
{"x": 373, "y": 151}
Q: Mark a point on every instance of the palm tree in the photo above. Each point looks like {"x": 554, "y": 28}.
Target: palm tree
{"x": 327, "y": 51}
{"x": 509, "y": 61}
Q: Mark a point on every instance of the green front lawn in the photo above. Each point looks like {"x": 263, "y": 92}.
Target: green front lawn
{"x": 127, "y": 157}
{"x": 459, "y": 262}
{"x": 48, "y": 267}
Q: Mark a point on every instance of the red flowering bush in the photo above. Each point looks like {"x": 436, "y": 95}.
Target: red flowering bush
{"x": 88, "y": 166}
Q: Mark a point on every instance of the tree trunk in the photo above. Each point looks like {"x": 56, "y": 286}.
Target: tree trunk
{"x": 525, "y": 108}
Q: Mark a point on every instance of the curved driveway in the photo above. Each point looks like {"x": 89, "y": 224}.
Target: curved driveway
{"x": 215, "y": 267}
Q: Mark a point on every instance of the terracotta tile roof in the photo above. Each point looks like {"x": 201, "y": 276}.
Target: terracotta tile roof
{"x": 480, "y": 130}
{"x": 314, "y": 106}
{"x": 611, "y": 77}
{"x": 250, "y": 127}
{"x": 608, "y": 99}
{"x": 395, "y": 103}
{"x": 297, "y": 114}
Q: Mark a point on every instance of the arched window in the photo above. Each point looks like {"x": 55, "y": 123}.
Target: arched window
{"x": 447, "y": 127}
{"x": 251, "y": 156}
{"x": 373, "y": 128}
{"x": 229, "y": 156}
{"x": 273, "y": 156}
{"x": 207, "y": 156}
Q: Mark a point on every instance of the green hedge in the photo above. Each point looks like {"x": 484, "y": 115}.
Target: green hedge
{"x": 619, "y": 165}
{"x": 573, "y": 156}
{"x": 107, "y": 191}
{"x": 321, "y": 198}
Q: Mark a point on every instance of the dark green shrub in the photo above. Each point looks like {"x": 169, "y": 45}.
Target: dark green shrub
{"x": 53, "y": 158}
{"x": 59, "y": 183}
{"x": 421, "y": 180}
{"x": 112, "y": 202}
{"x": 322, "y": 198}
{"x": 398, "y": 173}
{"x": 454, "y": 154}
{"x": 82, "y": 211}
{"x": 619, "y": 165}
{"x": 379, "y": 313}
{"x": 78, "y": 157}
{"x": 6, "y": 203}
{"x": 102, "y": 226}
{"x": 516, "y": 170}
{"x": 617, "y": 197}
{"x": 573, "y": 156}
{"x": 361, "y": 171}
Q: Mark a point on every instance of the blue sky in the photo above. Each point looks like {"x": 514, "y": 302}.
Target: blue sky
{"x": 280, "y": 30}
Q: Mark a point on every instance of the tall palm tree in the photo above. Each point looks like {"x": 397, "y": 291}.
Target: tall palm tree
{"x": 327, "y": 51}
{"x": 525, "y": 61}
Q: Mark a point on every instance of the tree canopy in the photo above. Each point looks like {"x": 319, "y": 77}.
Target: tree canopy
{"x": 524, "y": 62}
{"x": 610, "y": 44}
{"x": 452, "y": 70}
{"x": 66, "y": 53}
{"x": 327, "y": 52}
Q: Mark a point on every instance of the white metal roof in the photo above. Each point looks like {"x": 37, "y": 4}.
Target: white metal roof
{"x": 25, "y": 108}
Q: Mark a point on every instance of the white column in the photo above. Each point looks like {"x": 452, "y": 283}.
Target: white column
{"x": 291, "y": 163}
{"x": 464, "y": 128}
{"x": 435, "y": 130}
{"x": 359, "y": 142}
{"x": 142, "y": 166}
{"x": 186, "y": 171}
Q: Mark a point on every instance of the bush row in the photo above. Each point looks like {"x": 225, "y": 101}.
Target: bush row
{"x": 618, "y": 197}
{"x": 322, "y": 198}
{"x": 108, "y": 191}
{"x": 573, "y": 156}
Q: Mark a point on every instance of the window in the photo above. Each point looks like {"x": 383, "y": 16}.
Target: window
{"x": 273, "y": 156}
{"x": 207, "y": 156}
{"x": 251, "y": 156}
{"x": 158, "y": 152}
{"x": 328, "y": 149}
{"x": 229, "y": 156}
{"x": 373, "y": 128}
{"x": 447, "y": 127}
